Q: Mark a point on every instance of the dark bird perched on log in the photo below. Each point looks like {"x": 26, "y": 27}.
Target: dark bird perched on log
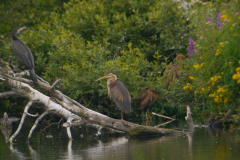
{"x": 118, "y": 93}
{"x": 23, "y": 53}
{"x": 146, "y": 98}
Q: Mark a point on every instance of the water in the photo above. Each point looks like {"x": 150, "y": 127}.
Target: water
{"x": 201, "y": 144}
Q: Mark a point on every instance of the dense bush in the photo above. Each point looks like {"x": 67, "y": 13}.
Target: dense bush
{"x": 83, "y": 40}
{"x": 214, "y": 63}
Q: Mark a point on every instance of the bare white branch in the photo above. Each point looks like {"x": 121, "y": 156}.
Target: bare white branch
{"x": 32, "y": 115}
{"x": 164, "y": 123}
{"x": 162, "y": 116}
{"x": 22, "y": 121}
{"x": 55, "y": 83}
{"x": 9, "y": 93}
{"x": 36, "y": 123}
{"x": 99, "y": 131}
{"x": 68, "y": 128}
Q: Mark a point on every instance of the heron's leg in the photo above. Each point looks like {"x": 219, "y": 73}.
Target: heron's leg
{"x": 121, "y": 115}
{"x": 150, "y": 119}
{"x": 146, "y": 118}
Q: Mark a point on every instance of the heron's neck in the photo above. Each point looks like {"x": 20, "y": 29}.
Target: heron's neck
{"x": 114, "y": 78}
{"x": 14, "y": 36}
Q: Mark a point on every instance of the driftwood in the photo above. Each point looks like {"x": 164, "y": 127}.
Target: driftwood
{"x": 61, "y": 105}
{"x": 171, "y": 119}
{"x": 224, "y": 121}
{"x": 189, "y": 117}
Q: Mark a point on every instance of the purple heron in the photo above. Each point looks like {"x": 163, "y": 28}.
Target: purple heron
{"x": 118, "y": 93}
{"x": 146, "y": 98}
{"x": 23, "y": 53}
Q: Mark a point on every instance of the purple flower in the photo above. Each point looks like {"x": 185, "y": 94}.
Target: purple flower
{"x": 189, "y": 52}
{"x": 219, "y": 24}
{"x": 219, "y": 20}
{"x": 191, "y": 44}
{"x": 199, "y": 55}
{"x": 207, "y": 19}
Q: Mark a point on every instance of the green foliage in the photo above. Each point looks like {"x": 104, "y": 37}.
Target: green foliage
{"x": 152, "y": 26}
{"x": 91, "y": 38}
{"x": 80, "y": 41}
{"x": 213, "y": 86}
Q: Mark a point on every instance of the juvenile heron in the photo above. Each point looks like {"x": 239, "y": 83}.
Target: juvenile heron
{"x": 146, "y": 98}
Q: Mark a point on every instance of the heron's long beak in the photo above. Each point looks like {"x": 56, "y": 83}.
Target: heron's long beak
{"x": 20, "y": 29}
{"x": 106, "y": 76}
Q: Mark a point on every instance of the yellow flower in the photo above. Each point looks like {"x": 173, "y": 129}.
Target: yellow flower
{"x": 225, "y": 100}
{"x": 191, "y": 77}
{"x": 222, "y": 45}
{"x": 211, "y": 95}
{"x": 201, "y": 57}
{"x": 223, "y": 16}
{"x": 196, "y": 66}
{"x": 214, "y": 79}
{"x": 185, "y": 88}
{"x": 218, "y": 52}
{"x": 202, "y": 90}
{"x": 195, "y": 92}
{"x": 236, "y": 76}
{"x": 217, "y": 99}
{"x": 238, "y": 81}
{"x": 239, "y": 62}
{"x": 221, "y": 90}
{"x": 238, "y": 69}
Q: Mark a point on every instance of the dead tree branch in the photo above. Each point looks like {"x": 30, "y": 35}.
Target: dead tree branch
{"x": 36, "y": 123}
{"x": 22, "y": 121}
{"x": 9, "y": 93}
{"x": 70, "y": 110}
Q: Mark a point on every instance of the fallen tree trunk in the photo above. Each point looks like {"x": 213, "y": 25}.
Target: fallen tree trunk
{"x": 61, "y": 105}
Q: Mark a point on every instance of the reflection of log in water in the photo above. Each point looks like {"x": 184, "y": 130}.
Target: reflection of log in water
{"x": 6, "y": 125}
{"x": 15, "y": 151}
{"x": 4, "y": 121}
{"x": 6, "y": 133}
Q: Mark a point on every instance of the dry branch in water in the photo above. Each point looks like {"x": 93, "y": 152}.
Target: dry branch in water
{"x": 65, "y": 107}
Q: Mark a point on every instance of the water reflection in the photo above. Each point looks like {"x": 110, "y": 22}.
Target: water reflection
{"x": 6, "y": 133}
{"x": 105, "y": 149}
{"x": 18, "y": 154}
{"x": 196, "y": 144}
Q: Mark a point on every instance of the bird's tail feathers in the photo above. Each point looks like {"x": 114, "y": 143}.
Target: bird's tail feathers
{"x": 33, "y": 75}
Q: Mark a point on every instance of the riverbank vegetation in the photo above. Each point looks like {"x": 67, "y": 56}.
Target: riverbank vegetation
{"x": 80, "y": 41}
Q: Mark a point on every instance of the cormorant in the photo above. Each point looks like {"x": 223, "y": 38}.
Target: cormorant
{"x": 23, "y": 53}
